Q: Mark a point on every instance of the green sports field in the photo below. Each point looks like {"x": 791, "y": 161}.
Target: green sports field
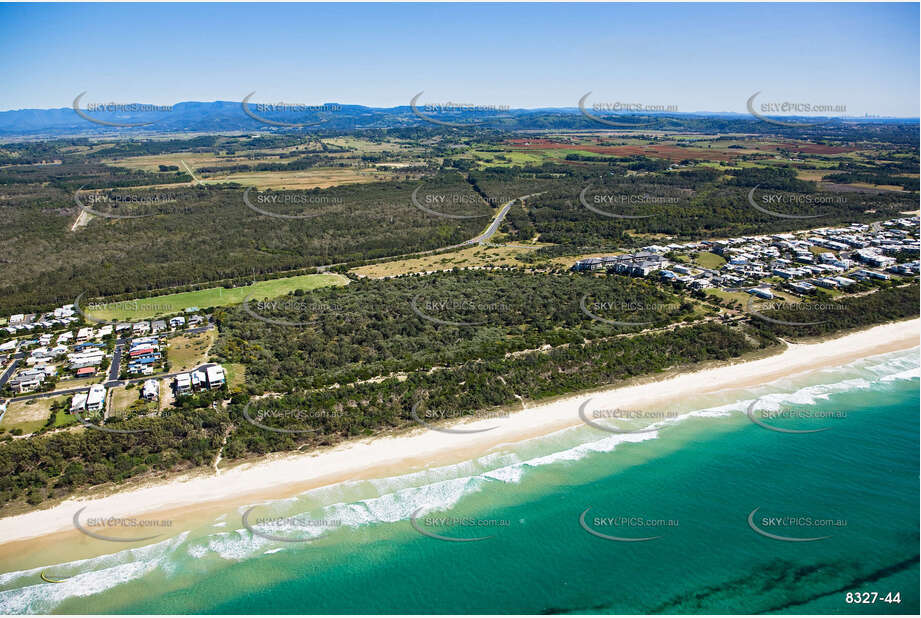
{"x": 145, "y": 308}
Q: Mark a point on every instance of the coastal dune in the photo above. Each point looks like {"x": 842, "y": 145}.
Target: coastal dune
{"x": 285, "y": 475}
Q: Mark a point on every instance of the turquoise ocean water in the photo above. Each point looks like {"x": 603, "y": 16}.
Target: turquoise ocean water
{"x": 691, "y": 481}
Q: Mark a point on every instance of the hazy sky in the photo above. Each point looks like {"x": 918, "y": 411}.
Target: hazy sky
{"x": 707, "y": 57}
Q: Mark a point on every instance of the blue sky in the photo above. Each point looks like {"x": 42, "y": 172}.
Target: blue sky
{"x": 703, "y": 57}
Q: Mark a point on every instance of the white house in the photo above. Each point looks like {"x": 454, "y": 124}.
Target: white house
{"x": 78, "y": 404}
{"x": 151, "y": 390}
{"x": 96, "y": 398}
{"x": 216, "y": 378}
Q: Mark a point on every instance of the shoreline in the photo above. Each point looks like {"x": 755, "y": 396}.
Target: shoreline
{"x": 198, "y": 496}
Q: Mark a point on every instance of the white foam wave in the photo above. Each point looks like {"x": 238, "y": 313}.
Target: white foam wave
{"x": 81, "y": 578}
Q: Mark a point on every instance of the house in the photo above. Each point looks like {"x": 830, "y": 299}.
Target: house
{"x": 183, "y": 384}
{"x": 802, "y": 287}
{"x": 215, "y": 375}
{"x": 142, "y": 350}
{"x": 96, "y": 398}
{"x": 176, "y": 322}
{"x": 784, "y": 273}
{"x": 141, "y": 327}
{"x": 844, "y": 281}
{"x": 27, "y": 380}
{"x": 78, "y": 403}
{"x": 667, "y": 275}
{"x": 141, "y": 369}
{"x": 157, "y": 326}
{"x": 199, "y": 380}
{"x": 151, "y": 390}
{"x": 86, "y": 372}
{"x": 588, "y": 264}
{"x": 761, "y": 293}
{"x": 196, "y": 319}
{"x": 90, "y": 358}
{"x": 84, "y": 334}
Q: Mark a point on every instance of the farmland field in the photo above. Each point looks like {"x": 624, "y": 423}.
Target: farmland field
{"x": 315, "y": 178}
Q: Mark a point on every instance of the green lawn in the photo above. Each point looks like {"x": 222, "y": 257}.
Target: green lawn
{"x": 62, "y": 418}
{"x": 146, "y": 308}
{"x": 709, "y": 260}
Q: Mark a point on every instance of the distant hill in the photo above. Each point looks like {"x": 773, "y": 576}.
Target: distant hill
{"x": 216, "y": 116}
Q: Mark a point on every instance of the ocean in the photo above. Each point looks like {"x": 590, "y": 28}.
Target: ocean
{"x": 698, "y": 510}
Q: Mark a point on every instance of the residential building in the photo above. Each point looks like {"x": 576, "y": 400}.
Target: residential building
{"x": 78, "y": 403}
{"x": 215, "y": 375}
{"x": 183, "y": 384}
{"x": 151, "y": 390}
{"x": 96, "y": 398}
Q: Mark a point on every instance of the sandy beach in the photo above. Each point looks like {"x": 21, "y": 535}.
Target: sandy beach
{"x": 286, "y": 475}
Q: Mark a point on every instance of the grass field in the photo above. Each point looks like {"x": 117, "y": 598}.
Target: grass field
{"x": 314, "y": 178}
{"x": 188, "y": 351}
{"x": 236, "y": 374}
{"x": 129, "y": 399}
{"x": 473, "y": 256}
{"x": 743, "y": 297}
{"x": 63, "y": 418}
{"x": 168, "y": 304}
{"x": 362, "y": 146}
{"x": 197, "y": 160}
{"x": 709, "y": 260}
{"x": 77, "y": 383}
{"x": 31, "y": 415}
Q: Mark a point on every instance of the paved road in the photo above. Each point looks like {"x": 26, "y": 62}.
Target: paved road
{"x": 116, "y": 359}
{"x": 9, "y": 372}
{"x": 494, "y": 226}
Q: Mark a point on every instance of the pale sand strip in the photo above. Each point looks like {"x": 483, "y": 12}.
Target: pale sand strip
{"x": 281, "y": 476}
